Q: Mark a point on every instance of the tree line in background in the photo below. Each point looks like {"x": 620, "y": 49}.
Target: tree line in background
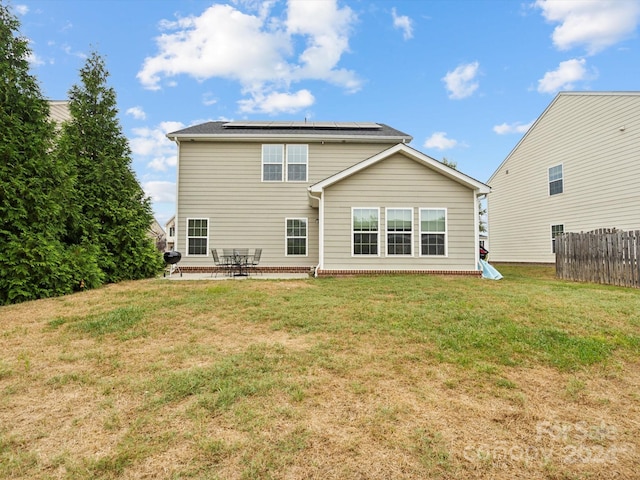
{"x": 72, "y": 213}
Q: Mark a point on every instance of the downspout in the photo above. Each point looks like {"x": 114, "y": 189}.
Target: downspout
{"x": 476, "y": 226}
{"x": 177, "y": 236}
{"x": 320, "y": 200}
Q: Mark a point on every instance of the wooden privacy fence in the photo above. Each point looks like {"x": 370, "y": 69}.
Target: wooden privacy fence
{"x": 601, "y": 256}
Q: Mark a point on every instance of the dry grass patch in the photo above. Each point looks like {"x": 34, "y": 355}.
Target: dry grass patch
{"x": 377, "y": 378}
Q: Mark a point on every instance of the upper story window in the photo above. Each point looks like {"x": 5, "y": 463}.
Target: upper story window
{"x": 433, "y": 231}
{"x": 197, "y": 236}
{"x": 285, "y": 164}
{"x": 272, "y": 163}
{"x": 399, "y": 231}
{"x": 365, "y": 231}
{"x": 555, "y": 180}
{"x": 297, "y": 159}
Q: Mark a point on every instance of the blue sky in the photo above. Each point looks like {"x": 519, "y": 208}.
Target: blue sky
{"x": 465, "y": 78}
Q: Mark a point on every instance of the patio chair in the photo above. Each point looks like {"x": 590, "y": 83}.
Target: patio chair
{"x": 224, "y": 263}
{"x": 252, "y": 265}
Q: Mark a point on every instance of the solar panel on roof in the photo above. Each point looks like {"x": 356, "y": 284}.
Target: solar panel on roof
{"x": 302, "y": 124}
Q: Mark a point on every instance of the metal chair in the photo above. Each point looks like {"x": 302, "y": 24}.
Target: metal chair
{"x": 220, "y": 263}
{"x": 252, "y": 265}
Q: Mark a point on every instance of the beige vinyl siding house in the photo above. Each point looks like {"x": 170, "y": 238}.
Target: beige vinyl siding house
{"x": 250, "y": 185}
{"x": 576, "y": 169}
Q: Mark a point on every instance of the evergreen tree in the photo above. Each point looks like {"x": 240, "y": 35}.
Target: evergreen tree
{"x": 34, "y": 187}
{"x": 112, "y": 213}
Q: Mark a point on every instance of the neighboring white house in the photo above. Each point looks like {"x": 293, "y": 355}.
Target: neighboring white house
{"x": 576, "y": 169}
{"x": 336, "y": 198}
{"x": 59, "y": 111}
{"x": 170, "y": 229}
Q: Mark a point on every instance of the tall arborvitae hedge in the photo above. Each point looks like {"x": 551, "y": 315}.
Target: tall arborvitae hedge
{"x": 72, "y": 214}
{"x": 113, "y": 213}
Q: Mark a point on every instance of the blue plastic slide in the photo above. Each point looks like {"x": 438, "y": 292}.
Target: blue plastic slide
{"x": 488, "y": 271}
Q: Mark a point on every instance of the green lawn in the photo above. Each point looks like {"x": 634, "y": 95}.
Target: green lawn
{"x": 370, "y": 377}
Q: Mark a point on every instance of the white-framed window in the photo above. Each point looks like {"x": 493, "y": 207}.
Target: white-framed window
{"x": 433, "y": 232}
{"x": 272, "y": 163}
{"x": 296, "y": 236}
{"x": 556, "y": 230}
{"x": 197, "y": 236}
{"x": 399, "y": 231}
{"x": 555, "y": 180}
{"x": 365, "y": 231}
{"x": 285, "y": 162}
{"x": 297, "y": 160}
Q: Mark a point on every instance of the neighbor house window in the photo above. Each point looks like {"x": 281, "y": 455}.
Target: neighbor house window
{"x": 555, "y": 231}
{"x": 296, "y": 236}
{"x": 433, "y": 231}
{"x": 365, "y": 223}
{"x": 555, "y": 180}
{"x": 197, "y": 236}
{"x": 297, "y": 159}
{"x": 399, "y": 231}
{"x": 272, "y": 163}
{"x": 278, "y": 161}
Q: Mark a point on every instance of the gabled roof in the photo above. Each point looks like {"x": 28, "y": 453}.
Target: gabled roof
{"x": 546, "y": 110}
{"x": 411, "y": 153}
{"x": 287, "y": 131}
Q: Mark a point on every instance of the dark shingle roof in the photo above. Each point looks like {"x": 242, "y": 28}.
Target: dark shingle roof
{"x": 252, "y": 129}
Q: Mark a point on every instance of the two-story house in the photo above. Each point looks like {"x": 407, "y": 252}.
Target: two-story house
{"x": 333, "y": 198}
{"x": 576, "y": 169}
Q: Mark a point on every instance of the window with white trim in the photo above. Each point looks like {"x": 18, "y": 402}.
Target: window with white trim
{"x": 296, "y": 236}
{"x": 555, "y": 180}
{"x": 433, "y": 231}
{"x": 365, "y": 222}
{"x": 285, "y": 163}
{"x": 399, "y": 231}
{"x": 272, "y": 163}
{"x": 197, "y": 236}
{"x": 555, "y": 231}
{"x": 297, "y": 160}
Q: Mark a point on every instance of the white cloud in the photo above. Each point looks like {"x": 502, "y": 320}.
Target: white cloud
{"x": 34, "y": 60}
{"x": 461, "y": 82}
{"x": 21, "y": 9}
{"x": 152, "y": 145}
{"x": 258, "y": 51}
{"x": 274, "y": 103}
{"x": 517, "y": 127}
{"x": 208, "y": 99}
{"x": 137, "y": 112}
{"x": 404, "y": 23}
{"x": 564, "y": 77}
{"x": 594, "y": 24}
{"x": 160, "y": 191}
{"x": 440, "y": 141}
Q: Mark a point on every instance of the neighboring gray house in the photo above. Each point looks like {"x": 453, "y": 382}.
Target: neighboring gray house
{"x": 576, "y": 169}
{"x": 334, "y": 198}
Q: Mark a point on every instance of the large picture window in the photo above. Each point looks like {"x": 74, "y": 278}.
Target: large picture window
{"x": 399, "y": 231}
{"x": 365, "y": 231}
{"x": 197, "y": 236}
{"x": 296, "y": 236}
{"x": 433, "y": 232}
{"x": 280, "y": 160}
{"x": 555, "y": 180}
